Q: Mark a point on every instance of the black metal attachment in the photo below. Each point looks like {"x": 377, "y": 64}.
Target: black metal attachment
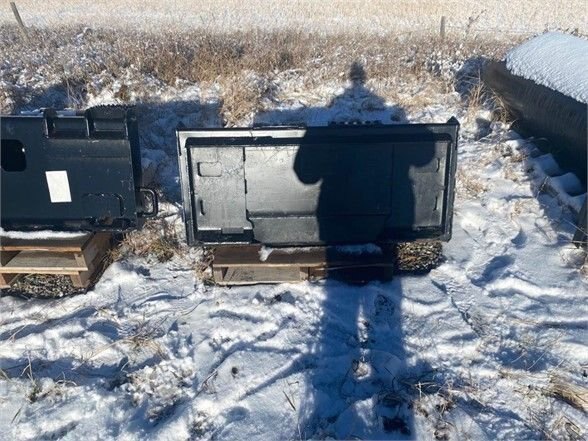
{"x": 318, "y": 185}
{"x": 72, "y": 170}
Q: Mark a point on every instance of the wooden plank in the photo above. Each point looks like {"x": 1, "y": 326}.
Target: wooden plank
{"x": 250, "y": 276}
{"x": 80, "y": 260}
{"x": 257, "y": 274}
{"x": 7, "y": 279}
{"x": 7, "y": 256}
{"x": 58, "y": 272}
{"x": 317, "y": 273}
{"x": 249, "y": 255}
{"x": 73, "y": 244}
{"x": 39, "y": 262}
{"x": 304, "y": 273}
{"x": 79, "y": 257}
{"x": 242, "y": 265}
{"x": 83, "y": 278}
{"x": 77, "y": 282}
{"x": 96, "y": 246}
{"x": 219, "y": 273}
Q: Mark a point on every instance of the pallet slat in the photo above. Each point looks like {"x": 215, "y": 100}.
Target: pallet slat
{"x": 99, "y": 243}
{"x": 246, "y": 276}
{"x": 78, "y": 257}
{"x": 242, "y": 265}
{"x": 7, "y": 279}
{"x": 249, "y": 255}
{"x": 66, "y": 244}
{"x": 40, "y": 261}
{"x": 83, "y": 278}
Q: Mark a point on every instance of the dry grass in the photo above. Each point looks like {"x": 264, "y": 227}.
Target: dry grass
{"x": 140, "y": 336}
{"x": 242, "y": 97}
{"x": 198, "y": 56}
{"x": 469, "y": 185}
{"x": 417, "y": 257}
{"x": 479, "y": 97}
{"x": 242, "y": 63}
{"x": 157, "y": 239}
{"x": 573, "y": 394}
{"x": 500, "y": 111}
{"x": 203, "y": 268}
{"x": 476, "y": 97}
{"x": 513, "y": 168}
{"x": 143, "y": 338}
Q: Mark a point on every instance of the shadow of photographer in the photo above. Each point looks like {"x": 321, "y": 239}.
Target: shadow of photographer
{"x": 351, "y": 190}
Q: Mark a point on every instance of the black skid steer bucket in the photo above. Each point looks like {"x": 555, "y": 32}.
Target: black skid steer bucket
{"x": 73, "y": 171}
{"x": 319, "y": 185}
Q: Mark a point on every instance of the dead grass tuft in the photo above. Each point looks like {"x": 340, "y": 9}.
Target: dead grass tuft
{"x": 477, "y": 98}
{"x": 418, "y": 256}
{"x": 157, "y": 238}
{"x": 500, "y": 111}
{"x": 143, "y": 337}
{"x": 573, "y": 394}
{"x": 243, "y": 98}
{"x": 469, "y": 185}
{"x": 203, "y": 267}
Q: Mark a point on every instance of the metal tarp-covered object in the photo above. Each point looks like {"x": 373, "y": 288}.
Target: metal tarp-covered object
{"x": 72, "y": 171}
{"x": 340, "y": 184}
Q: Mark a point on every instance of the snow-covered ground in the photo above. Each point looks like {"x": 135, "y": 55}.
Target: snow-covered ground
{"x": 470, "y": 17}
{"x": 490, "y": 345}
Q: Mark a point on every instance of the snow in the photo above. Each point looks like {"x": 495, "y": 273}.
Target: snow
{"x": 555, "y": 60}
{"x": 264, "y": 253}
{"x": 365, "y": 249}
{"x": 40, "y": 234}
{"x": 468, "y": 351}
{"x": 380, "y": 17}
{"x": 565, "y": 187}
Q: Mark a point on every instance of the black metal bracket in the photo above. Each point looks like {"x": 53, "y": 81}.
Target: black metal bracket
{"x": 153, "y": 199}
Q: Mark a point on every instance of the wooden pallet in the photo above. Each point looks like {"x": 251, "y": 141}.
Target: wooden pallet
{"x": 78, "y": 257}
{"x": 242, "y": 265}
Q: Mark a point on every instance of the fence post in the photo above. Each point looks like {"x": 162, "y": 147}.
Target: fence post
{"x": 442, "y": 28}
{"x": 21, "y": 25}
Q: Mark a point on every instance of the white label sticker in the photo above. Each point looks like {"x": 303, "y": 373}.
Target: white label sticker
{"x": 58, "y": 186}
